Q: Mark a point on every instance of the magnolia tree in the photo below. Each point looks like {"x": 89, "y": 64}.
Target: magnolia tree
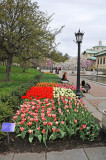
{"x": 86, "y": 64}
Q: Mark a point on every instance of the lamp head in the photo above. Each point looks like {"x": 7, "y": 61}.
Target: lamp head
{"x": 79, "y": 36}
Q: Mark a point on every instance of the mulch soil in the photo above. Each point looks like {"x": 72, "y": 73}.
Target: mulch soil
{"x": 19, "y": 145}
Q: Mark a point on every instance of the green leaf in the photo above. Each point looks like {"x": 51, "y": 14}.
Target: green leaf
{"x": 40, "y": 137}
{"x": 71, "y": 130}
{"x": 62, "y": 133}
{"x": 19, "y": 135}
{"x": 88, "y": 128}
{"x": 82, "y": 135}
{"x": 44, "y": 140}
{"x": 52, "y": 136}
{"x": 23, "y": 134}
{"x": 17, "y": 130}
{"x": 30, "y": 138}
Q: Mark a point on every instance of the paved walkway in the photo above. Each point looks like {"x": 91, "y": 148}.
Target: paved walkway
{"x": 97, "y": 97}
{"x": 98, "y": 153}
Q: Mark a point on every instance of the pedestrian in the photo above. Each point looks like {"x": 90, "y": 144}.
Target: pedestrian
{"x": 85, "y": 86}
{"x": 64, "y": 77}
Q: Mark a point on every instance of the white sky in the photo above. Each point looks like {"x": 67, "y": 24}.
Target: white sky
{"x": 88, "y": 15}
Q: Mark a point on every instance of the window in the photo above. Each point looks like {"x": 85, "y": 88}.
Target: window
{"x": 101, "y": 61}
{"x": 98, "y": 61}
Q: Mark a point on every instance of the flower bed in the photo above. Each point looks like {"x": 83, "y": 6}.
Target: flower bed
{"x": 54, "y": 113}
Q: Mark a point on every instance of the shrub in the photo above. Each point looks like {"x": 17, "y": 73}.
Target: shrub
{"x": 9, "y": 102}
{"x": 6, "y": 111}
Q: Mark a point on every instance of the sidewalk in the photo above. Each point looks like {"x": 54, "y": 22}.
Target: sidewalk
{"x": 95, "y": 100}
{"x": 98, "y": 153}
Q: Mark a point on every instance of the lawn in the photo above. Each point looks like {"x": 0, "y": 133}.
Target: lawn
{"x": 17, "y": 77}
{"x": 50, "y": 78}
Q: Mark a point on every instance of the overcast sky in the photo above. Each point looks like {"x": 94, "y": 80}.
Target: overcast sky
{"x": 88, "y": 15}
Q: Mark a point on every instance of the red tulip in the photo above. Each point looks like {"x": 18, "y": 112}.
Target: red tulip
{"x": 43, "y": 131}
{"x": 53, "y": 129}
{"x": 22, "y": 122}
{"x": 29, "y": 123}
{"x": 50, "y": 123}
{"x": 45, "y": 123}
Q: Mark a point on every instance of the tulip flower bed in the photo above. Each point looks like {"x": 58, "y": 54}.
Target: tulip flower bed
{"x": 51, "y": 111}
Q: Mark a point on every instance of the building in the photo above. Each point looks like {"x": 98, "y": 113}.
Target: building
{"x": 101, "y": 60}
{"x": 98, "y": 55}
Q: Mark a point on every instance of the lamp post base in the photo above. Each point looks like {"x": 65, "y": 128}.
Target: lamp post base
{"x": 78, "y": 94}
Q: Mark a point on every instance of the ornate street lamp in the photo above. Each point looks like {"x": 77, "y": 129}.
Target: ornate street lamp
{"x": 79, "y": 37}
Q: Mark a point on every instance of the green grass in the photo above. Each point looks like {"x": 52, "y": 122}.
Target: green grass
{"x": 50, "y": 78}
{"x": 17, "y": 77}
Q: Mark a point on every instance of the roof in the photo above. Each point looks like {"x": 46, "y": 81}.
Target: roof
{"x": 100, "y": 54}
{"x": 88, "y": 51}
{"x": 99, "y": 46}
{"x": 91, "y": 58}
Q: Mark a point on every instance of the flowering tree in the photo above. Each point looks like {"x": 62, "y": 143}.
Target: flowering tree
{"x": 86, "y": 64}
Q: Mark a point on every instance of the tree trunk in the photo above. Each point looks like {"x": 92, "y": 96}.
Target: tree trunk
{"x": 8, "y": 66}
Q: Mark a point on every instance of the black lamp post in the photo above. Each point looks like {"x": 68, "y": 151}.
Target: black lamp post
{"x": 79, "y": 37}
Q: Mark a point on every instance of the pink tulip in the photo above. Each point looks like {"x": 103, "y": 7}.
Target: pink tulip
{"x": 15, "y": 117}
{"x": 75, "y": 120}
{"x": 29, "y": 123}
{"x": 21, "y": 128}
{"x": 84, "y": 126}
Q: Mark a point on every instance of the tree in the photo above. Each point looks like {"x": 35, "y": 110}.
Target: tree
{"x": 24, "y": 31}
{"x": 58, "y": 56}
{"x": 86, "y": 64}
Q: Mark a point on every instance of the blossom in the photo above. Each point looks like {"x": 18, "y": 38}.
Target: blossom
{"x": 62, "y": 122}
{"x": 53, "y": 129}
{"x": 45, "y": 123}
{"x": 43, "y": 131}
{"x": 21, "y": 128}
{"x": 30, "y": 131}
{"x": 50, "y": 123}
{"x": 53, "y": 115}
{"x": 38, "y": 128}
{"x": 33, "y": 107}
{"x": 29, "y": 123}
{"x": 23, "y": 119}
{"x": 75, "y": 120}
{"x": 15, "y": 117}
{"x": 84, "y": 126}
{"x": 22, "y": 122}
{"x": 57, "y": 122}
{"x": 31, "y": 119}
{"x": 36, "y": 119}
{"x": 18, "y": 113}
